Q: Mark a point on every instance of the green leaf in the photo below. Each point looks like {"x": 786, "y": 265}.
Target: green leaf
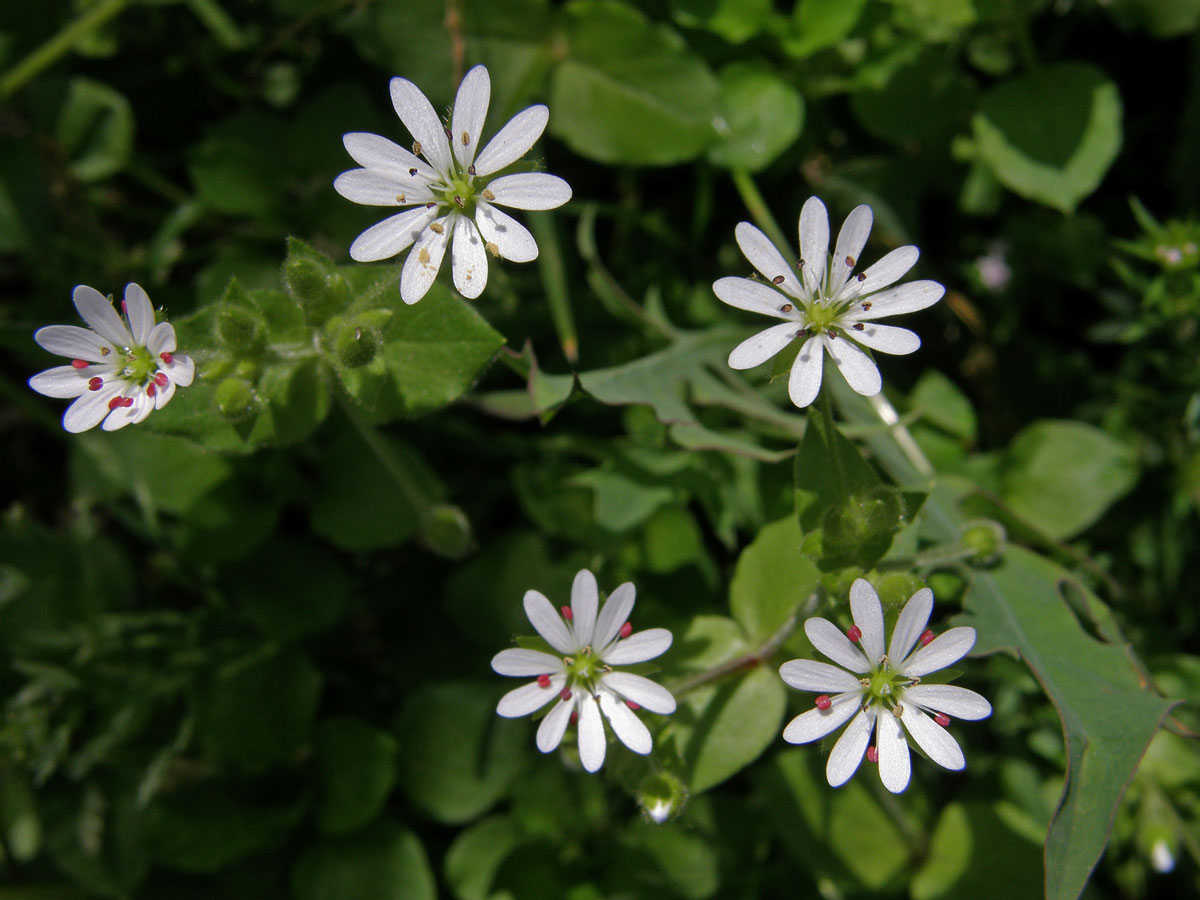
{"x": 95, "y": 126}
{"x": 939, "y": 401}
{"x": 974, "y": 853}
{"x": 291, "y": 589}
{"x": 621, "y": 502}
{"x": 629, "y": 91}
{"x": 687, "y": 861}
{"x": 1050, "y": 135}
{"x": 256, "y": 712}
{"x": 773, "y": 577}
{"x": 476, "y": 854}
{"x": 817, "y": 24}
{"x": 235, "y": 168}
{"x": 357, "y": 766}
{"x": 1108, "y": 715}
{"x": 734, "y": 20}
{"x": 1063, "y": 475}
{"x": 384, "y": 863}
{"x": 761, "y": 116}
{"x": 458, "y": 757}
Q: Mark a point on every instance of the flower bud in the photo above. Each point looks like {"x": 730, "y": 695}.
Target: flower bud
{"x": 241, "y": 329}
{"x": 320, "y": 292}
{"x": 236, "y": 400}
{"x": 355, "y": 344}
{"x": 661, "y": 797}
{"x": 447, "y": 531}
{"x": 861, "y": 529}
{"x": 985, "y": 538}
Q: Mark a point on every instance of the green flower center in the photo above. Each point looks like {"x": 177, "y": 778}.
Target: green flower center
{"x": 884, "y": 683}
{"x": 584, "y": 670}
{"x": 139, "y": 365}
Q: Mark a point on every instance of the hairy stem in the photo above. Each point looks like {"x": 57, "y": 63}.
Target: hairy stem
{"x": 746, "y": 661}
{"x": 59, "y": 45}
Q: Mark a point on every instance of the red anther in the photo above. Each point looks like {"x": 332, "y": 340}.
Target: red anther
{"x": 942, "y": 719}
{"x": 627, "y": 629}
{"x": 873, "y": 754}
{"x": 124, "y": 307}
{"x": 574, "y": 716}
{"x": 854, "y": 633}
{"x": 926, "y": 636}
{"x": 79, "y": 363}
{"x": 823, "y": 702}
{"x": 161, "y": 379}
{"x": 565, "y": 693}
{"x": 543, "y": 681}
{"x": 166, "y": 357}
{"x": 127, "y": 402}
{"x": 115, "y": 402}
{"x": 633, "y": 705}
{"x": 567, "y": 614}
{"x": 150, "y": 390}
{"x": 95, "y": 383}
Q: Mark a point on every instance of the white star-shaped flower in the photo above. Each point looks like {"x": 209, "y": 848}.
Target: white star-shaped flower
{"x": 120, "y": 369}
{"x": 828, "y": 305}
{"x": 445, "y": 184}
{"x": 881, "y": 691}
{"x": 583, "y": 679}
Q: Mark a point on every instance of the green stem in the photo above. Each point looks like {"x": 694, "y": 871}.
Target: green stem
{"x": 47, "y": 54}
{"x": 825, "y": 404}
{"x": 746, "y": 661}
{"x": 553, "y": 273}
{"x": 901, "y": 435}
{"x": 759, "y": 211}
{"x": 412, "y": 491}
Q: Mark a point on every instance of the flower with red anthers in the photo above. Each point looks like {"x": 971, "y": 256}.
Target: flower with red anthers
{"x": 824, "y": 304}
{"x": 880, "y": 693}
{"x": 589, "y": 641}
{"x": 121, "y": 369}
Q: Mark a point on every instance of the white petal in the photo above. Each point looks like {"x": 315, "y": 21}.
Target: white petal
{"x": 765, "y": 257}
{"x": 816, "y": 723}
{"x": 641, "y": 690}
{"x": 530, "y": 190}
{"x": 759, "y": 348}
{"x": 62, "y": 381}
{"x": 391, "y": 236}
{"x": 90, "y": 409}
{"x": 847, "y": 753}
{"x": 374, "y": 188}
{"x": 895, "y": 766}
{"x": 163, "y": 395}
{"x": 512, "y": 239}
{"x": 638, "y": 647}
{"x": 554, "y": 725}
{"x": 886, "y": 338}
{"x": 522, "y": 663}
{"x": 613, "y": 616}
{"x": 942, "y": 651}
{"x": 181, "y": 370}
{"x": 547, "y": 621}
{"x": 418, "y": 116}
{"x": 513, "y": 140}
{"x": 804, "y": 382}
{"x": 868, "y": 616}
{"x": 814, "y": 244}
{"x": 129, "y": 415}
{"x": 140, "y": 312}
{"x": 375, "y": 152}
{"x": 910, "y": 623}
{"x": 938, "y": 744}
{"x": 425, "y": 259}
{"x": 529, "y": 698}
{"x": 833, "y": 643}
{"x": 100, "y": 316}
{"x": 810, "y": 675}
{"x": 591, "y": 734}
{"x": 75, "y": 342}
{"x": 851, "y": 240}
{"x": 585, "y": 598}
{"x": 470, "y": 110}
{"x": 950, "y": 699}
{"x": 755, "y": 296}
{"x": 889, "y": 269}
{"x": 625, "y": 724}
{"x": 162, "y": 340}
{"x": 904, "y": 298}
{"x": 468, "y": 258}
{"x": 856, "y": 367}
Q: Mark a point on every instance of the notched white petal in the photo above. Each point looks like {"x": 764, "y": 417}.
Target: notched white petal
{"x": 868, "y": 616}
{"x": 470, "y": 111}
{"x": 61, "y": 381}
{"x": 816, "y": 723}
{"x": 759, "y": 348}
{"x": 547, "y": 621}
{"x": 811, "y": 675}
{"x": 393, "y": 235}
{"x": 373, "y": 151}
{"x": 140, "y": 312}
{"x": 938, "y": 744}
{"x": 469, "y": 263}
{"x": 373, "y": 188}
{"x": 847, "y": 753}
{"x": 944, "y": 650}
{"x": 422, "y": 264}
{"x": 641, "y": 690}
{"x": 804, "y": 381}
{"x": 592, "y": 743}
{"x": 76, "y": 343}
{"x": 513, "y": 141}
{"x": 530, "y": 190}
{"x": 765, "y": 257}
{"x": 856, "y": 367}
{"x": 554, "y": 725}
{"x": 418, "y": 116}
{"x": 638, "y": 647}
{"x": 955, "y": 701}
{"x": 585, "y": 599}
{"x": 628, "y": 728}
{"x": 614, "y": 614}
{"x": 100, "y": 316}
{"x": 911, "y": 622}
{"x": 886, "y": 338}
{"x": 814, "y": 243}
{"x": 833, "y": 643}
{"x": 511, "y": 239}
{"x": 528, "y": 698}
{"x": 754, "y": 296}
{"x": 895, "y": 764}
{"x": 523, "y": 663}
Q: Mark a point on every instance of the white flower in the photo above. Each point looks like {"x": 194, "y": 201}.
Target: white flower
{"x": 120, "y": 369}
{"x": 583, "y": 680}
{"x": 827, "y": 304}
{"x": 444, "y": 181}
{"x": 882, "y": 690}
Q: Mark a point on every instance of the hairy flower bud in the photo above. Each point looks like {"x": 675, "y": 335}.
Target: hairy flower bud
{"x": 236, "y": 400}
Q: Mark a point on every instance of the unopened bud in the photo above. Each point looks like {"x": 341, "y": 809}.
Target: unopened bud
{"x": 661, "y": 796}
{"x": 241, "y": 329}
{"x": 236, "y": 400}
{"x": 355, "y": 345}
{"x": 320, "y": 292}
{"x": 985, "y": 539}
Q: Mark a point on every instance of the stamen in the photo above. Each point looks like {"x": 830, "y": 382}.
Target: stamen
{"x": 115, "y": 402}
{"x": 778, "y": 279}
{"x": 430, "y": 205}
{"x": 800, "y": 264}
{"x": 150, "y": 390}
{"x": 633, "y": 705}
{"x": 449, "y": 133}
{"x": 466, "y": 138}
{"x": 488, "y": 195}
{"x": 565, "y": 693}
{"x": 543, "y": 681}
{"x": 567, "y": 614}
{"x": 873, "y": 754}
{"x": 866, "y": 305}
{"x": 832, "y": 334}
{"x": 942, "y": 719}
{"x": 437, "y": 228}
{"x": 400, "y": 198}
{"x": 471, "y": 169}
{"x": 861, "y": 276}
{"x": 823, "y": 702}
{"x": 859, "y": 326}
{"x": 79, "y": 363}
{"x": 166, "y": 357}
{"x": 898, "y": 710}
{"x": 412, "y": 173}
{"x": 161, "y": 379}
{"x": 850, "y": 261}
{"x": 926, "y": 636}
{"x": 854, "y": 633}
{"x": 459, "y": 201}
{"x": 95, "y": 383}
{"x": 574, "y": 716}
{"x": 104, "y": 351}
{"x": 492, "y": 249}
{"x": 416, "y": 148}
{"x": 626, "y": 629}
{"x": 124, "y": 308}
{"x": 786, "y": 308}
